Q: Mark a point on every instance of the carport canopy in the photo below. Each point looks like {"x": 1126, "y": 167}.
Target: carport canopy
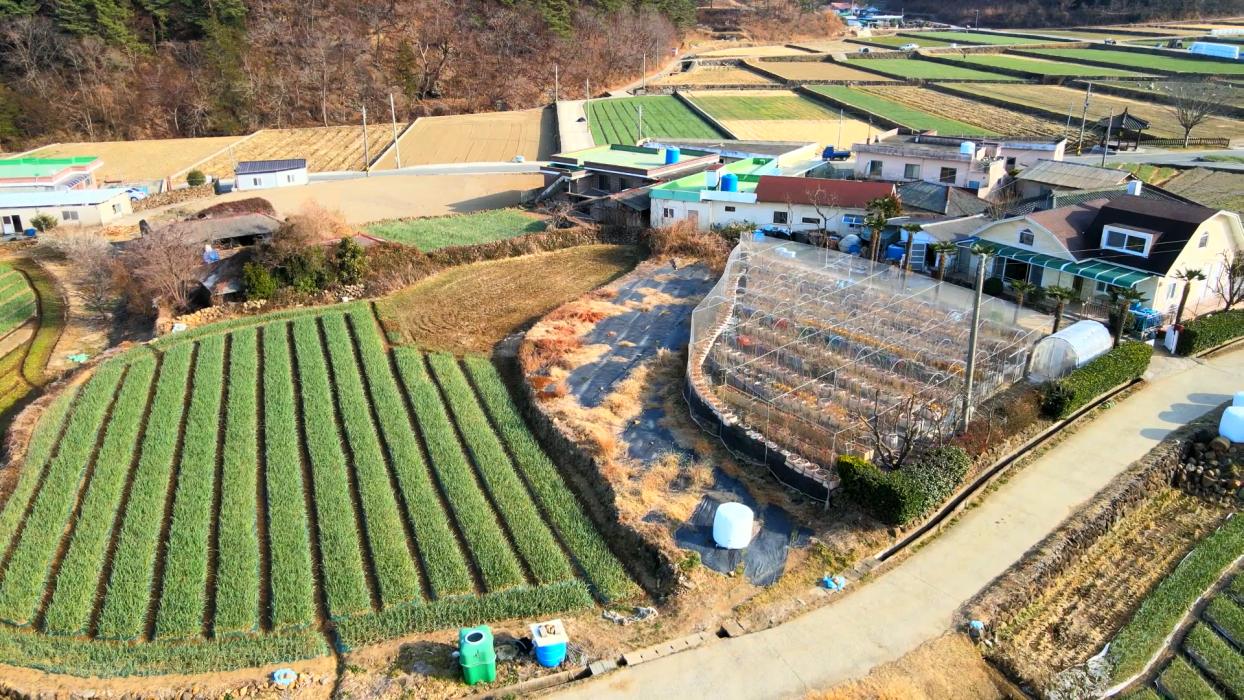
{"x": 1116, "y": 275}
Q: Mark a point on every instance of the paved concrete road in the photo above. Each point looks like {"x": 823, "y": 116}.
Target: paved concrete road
{"x": 916, "y": 601}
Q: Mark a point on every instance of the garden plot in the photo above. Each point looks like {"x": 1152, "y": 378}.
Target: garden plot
{"x": 846, "y": 46}
{"x": 114, "y": 522}
{"x": 735, "y": 105}
{"x": 326, "y": 149}
{"x": 923, "y": 40}
{"x": 138, "y": 161}
{"x": 781, "y": 115}
{"x": 17, "y": 300}
{"x": 980, "y": 38}
{"x": 926, "y": 70}
{"x": 754, "y": 51}
{"x": 432, "y": 233}
{"x": 1143, "y": 61}
{"x": 819, "y": 70}
{"x": 1217, "y": 189}
{"x": 714, "y": 75}
{"x": 1148, "y": 90}
{"x": 1038, "y": 66}
{"x": 617, "y": 120}
{"x": 1061, "y": 100}
{"x": 468, "y": 138}
{"x": 967, "y": 111}
{"x": 897, "y": 112}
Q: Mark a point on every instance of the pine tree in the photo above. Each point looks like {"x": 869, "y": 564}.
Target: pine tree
{"x": 558, "y": 16}
{"x": 406, "y": 71}
{"x": 10, "y": 118}
{"x": 18, "y": 7}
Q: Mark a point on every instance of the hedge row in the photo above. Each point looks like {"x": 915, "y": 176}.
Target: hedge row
{"x": 1065, "y": 396}
{"x": 1210, "y": 331}
{"x": 899, "y": 496}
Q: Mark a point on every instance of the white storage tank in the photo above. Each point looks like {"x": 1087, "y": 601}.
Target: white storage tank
{"x": 1231, "y": 427}
{"x": 968, "y": 148}
{"x": 732, "y": 526}
{"x": 710, "y": 179}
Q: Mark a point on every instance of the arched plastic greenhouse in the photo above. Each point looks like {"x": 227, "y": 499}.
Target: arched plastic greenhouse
{"x": 800, "y": 354}
{"x": 1072, "y": 347}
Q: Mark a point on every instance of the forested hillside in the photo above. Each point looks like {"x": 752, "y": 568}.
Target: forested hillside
{"x": 103, "y": 69}
{"x": 1051, "y": 13}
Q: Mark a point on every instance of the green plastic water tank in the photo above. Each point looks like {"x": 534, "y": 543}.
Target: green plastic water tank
{"x": 476, "y": 655}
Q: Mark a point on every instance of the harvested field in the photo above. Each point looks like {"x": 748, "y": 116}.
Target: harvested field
{"x": 1038, "y": 66}
{"x": 822, "y": 131}
{"x": 980, "y": 38}
{"x": 1060, "y": 99}
{"x": 947, "y": 668}
{"x": 714, "y": 75}
{"x": 967, "y": 111}
{"x": 845, "y": 46}
{"x": 137, "y": 161}
{"x": 1145, "y": 91}
{"x": 505, "y": 296}
{"x": 759, "y": 104}
{"x": 906, "y": 116}
{"x": 469, "y": 138}
{"x": 1144, "y": 61}
{"x": 754, "y": 51}
{"x": 362, "y": 200}
{"x": 144, "y": 490}
{"x": 897, "y": 40}
{"x": 462, "y": 229}
{"x": 926, "y": 70}
{"x": 326, "y": 149}
{"x": 821, "y": 70}
{"x": 1104, "y": 33}
{"x": 1220, "y": 190}
{"x": 616, "y": 120}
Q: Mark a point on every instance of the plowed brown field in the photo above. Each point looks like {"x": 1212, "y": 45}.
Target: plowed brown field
{"x": 715, "y": 75}
{"x": 473, "y": 138}
{"x": 968, "y": 111}
{"x": 136, "y": 161}
{"x": 326, "y": 148}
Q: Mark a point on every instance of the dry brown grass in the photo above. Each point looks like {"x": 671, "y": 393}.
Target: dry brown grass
{"x": 685, "y": 240}
{"x": 947, "y": 668}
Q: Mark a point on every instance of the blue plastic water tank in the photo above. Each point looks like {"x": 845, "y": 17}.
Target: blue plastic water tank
{"x": 671, "y": 155}
{"x": 894, "y": 252}
{"x": 729, "y": 182}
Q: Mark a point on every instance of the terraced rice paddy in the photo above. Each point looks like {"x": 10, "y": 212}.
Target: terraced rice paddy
{"x": 1038, "y": 66}
{"x": 780, "y": 115}
{"x": 617, "y": 121}
{"x": 845, "y": 46}
{"x": 926, "y": 70}
{"x": 1060, "y": 100}
{"x": 896, "y": 40}
{"x": 1149, "y": 90}
{"x": 980, "y": 38}
{"x": 205, "y": 502}
{"x": 966, "y": 111}
{"x": 897, "y": 112}
{"x": 470, "y": 138}
{"x": 1145, "y": 62}
{"x": 714, "y": 75}
{"x": 326, "y": 149}
{"x": 819, "y": 70}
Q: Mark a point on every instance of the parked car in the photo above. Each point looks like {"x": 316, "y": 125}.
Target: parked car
{"x": 866, "y": 49}
{"x": 136, "y": 193}
{"x": 909, "y": 47}
{"x": 1109, "y": 41}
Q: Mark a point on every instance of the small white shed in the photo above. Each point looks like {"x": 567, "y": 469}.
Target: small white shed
{"x": 1062, "y": 353}
{"x": 266, "y": 174}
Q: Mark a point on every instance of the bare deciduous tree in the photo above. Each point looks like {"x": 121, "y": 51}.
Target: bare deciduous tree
{"x": 164, "y": 264}
{"x": 95, "y": 283}
{"x": 1230, "y": 284}
{"x": 1195, "y": 103}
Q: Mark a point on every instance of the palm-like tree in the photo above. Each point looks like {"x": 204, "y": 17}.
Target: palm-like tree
{"x": 1187, "y": 276}
{"x": 1061, "y": 295}
{"x": 875, "y": 221}
{"x": 1124, "y": 297}
{"x": 911, "y": 230}
{"x": 943, "y": 249}
{"x": 1023, "y": 289}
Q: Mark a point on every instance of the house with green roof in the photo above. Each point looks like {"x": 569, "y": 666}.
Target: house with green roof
{"x": 48, "y": 174}
{"x": 605, "y": 170}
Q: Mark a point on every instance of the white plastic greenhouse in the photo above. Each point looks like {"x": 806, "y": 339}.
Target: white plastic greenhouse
{"x": 1069, "y": 349}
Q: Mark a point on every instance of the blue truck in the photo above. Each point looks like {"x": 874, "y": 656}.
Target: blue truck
{"x": 831, "y": 153}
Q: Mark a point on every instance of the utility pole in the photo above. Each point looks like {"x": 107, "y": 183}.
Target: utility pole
{"x": 366, "y": 154}
{"x": 644, "y": 79}
{"x": 639, "y": 124}
{"x": 983, "y": 255}
{"x": 587, "y": 89}
{"x": 977, "y": 26}
{"x": 838, "y": 144}
{"x": 1084, "y": 118}
{"x": 557, "y": 89}
{"x": 397, "y": 150}
{"x": 1105, "y": 146}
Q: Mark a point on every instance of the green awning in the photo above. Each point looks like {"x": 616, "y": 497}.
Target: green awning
{"x": 1116, "y": 275}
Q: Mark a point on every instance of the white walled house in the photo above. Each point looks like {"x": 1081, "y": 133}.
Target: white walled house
{"x": 68, "y": 207}
{"x": 266, "y": 174}
{"x": 979, "y": 165}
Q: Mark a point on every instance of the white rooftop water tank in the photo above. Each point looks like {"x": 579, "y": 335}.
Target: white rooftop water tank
{"x": 710, "y": 179}
{"x": 732, "y": 526}
{"x": 967, "y": 148}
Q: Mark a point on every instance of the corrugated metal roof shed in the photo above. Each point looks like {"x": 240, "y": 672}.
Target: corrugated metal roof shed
{"x": 1074, "y": 175}
{"x": 62, "y": 198}
{"x": 259, "y": 167}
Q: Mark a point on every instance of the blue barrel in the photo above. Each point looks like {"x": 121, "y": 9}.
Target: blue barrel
{"x": 672, "y": 154}
{"x": 552, "y": 655}
{"x": 729, "y": 182}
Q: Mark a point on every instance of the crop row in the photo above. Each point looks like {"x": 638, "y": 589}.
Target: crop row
{"x": 560, "y": 505}
{"x": 616, "y": 121}
{"x": 42, "y": 445}
{"x": 290, "y": 574}
{"x": 531, "y": 535}
{"x": 78, "y": 578}
{"x": 486, "y": 541}
{"x": 395, "y": 569}
{"x": 184, "y": 591}
{"x": 1140, "y": 639}
{"x": 237, "y": 544}
{"x": 1223, "y": 663}
{"x": 124, "y": 612}
{"x": 1181, "y": 681}
{"x": 446, "y": 568}
{"x": 344, "y": 583}
{"x": 15, "y": 310}
{"x": 31, "y": 561}
{"x": 906, "y": 116}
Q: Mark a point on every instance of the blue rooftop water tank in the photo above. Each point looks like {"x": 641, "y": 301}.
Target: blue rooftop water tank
{"x": 671, "y": 155}
{"x": 729, "y": 182}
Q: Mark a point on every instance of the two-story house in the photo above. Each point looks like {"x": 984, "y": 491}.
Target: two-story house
{"x": 978, "y": 165}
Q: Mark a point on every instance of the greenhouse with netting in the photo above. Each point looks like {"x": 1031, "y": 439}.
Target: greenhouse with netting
{"x": 800, "y": 355}
{"x": 1069, "y": 349}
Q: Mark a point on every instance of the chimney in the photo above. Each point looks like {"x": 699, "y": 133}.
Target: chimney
{"x": 1133, "y": 187}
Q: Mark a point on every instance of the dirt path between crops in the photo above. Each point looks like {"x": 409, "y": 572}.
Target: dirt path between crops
{"x": 916, "y": 601}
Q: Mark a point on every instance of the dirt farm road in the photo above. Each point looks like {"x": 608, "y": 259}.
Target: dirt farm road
{"x": 916, "y": 601}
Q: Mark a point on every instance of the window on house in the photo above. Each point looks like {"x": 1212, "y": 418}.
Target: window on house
{"x": 911, "y": 171}
{"x": 1204, "y": 240}
{"x": 289, "y": 178}
{"x": 874, "y": 168}
{"x": 1101, "y": 288}
{"x": 1026, "y": 237}
{"x": 256, "y": 182}
{"x": 667, "y": 213}
{"x": 603, "y": 182}
{"x": 811, "y": 220}
{"x": 853, "y": 221}
{"x": 779, "y": 217}
{"x": 1124, "y": 241}
{"x": 948, "y": 175}
{"x": 1170, "y": 291}
{"x": 1010, "y": 163}
{"x": 116, "y": 209}
{"x": 730, "y": 208}
{"x": 68, "y": 215}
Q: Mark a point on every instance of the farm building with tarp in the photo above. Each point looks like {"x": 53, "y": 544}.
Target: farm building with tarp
{"x": 800, "y": 355}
